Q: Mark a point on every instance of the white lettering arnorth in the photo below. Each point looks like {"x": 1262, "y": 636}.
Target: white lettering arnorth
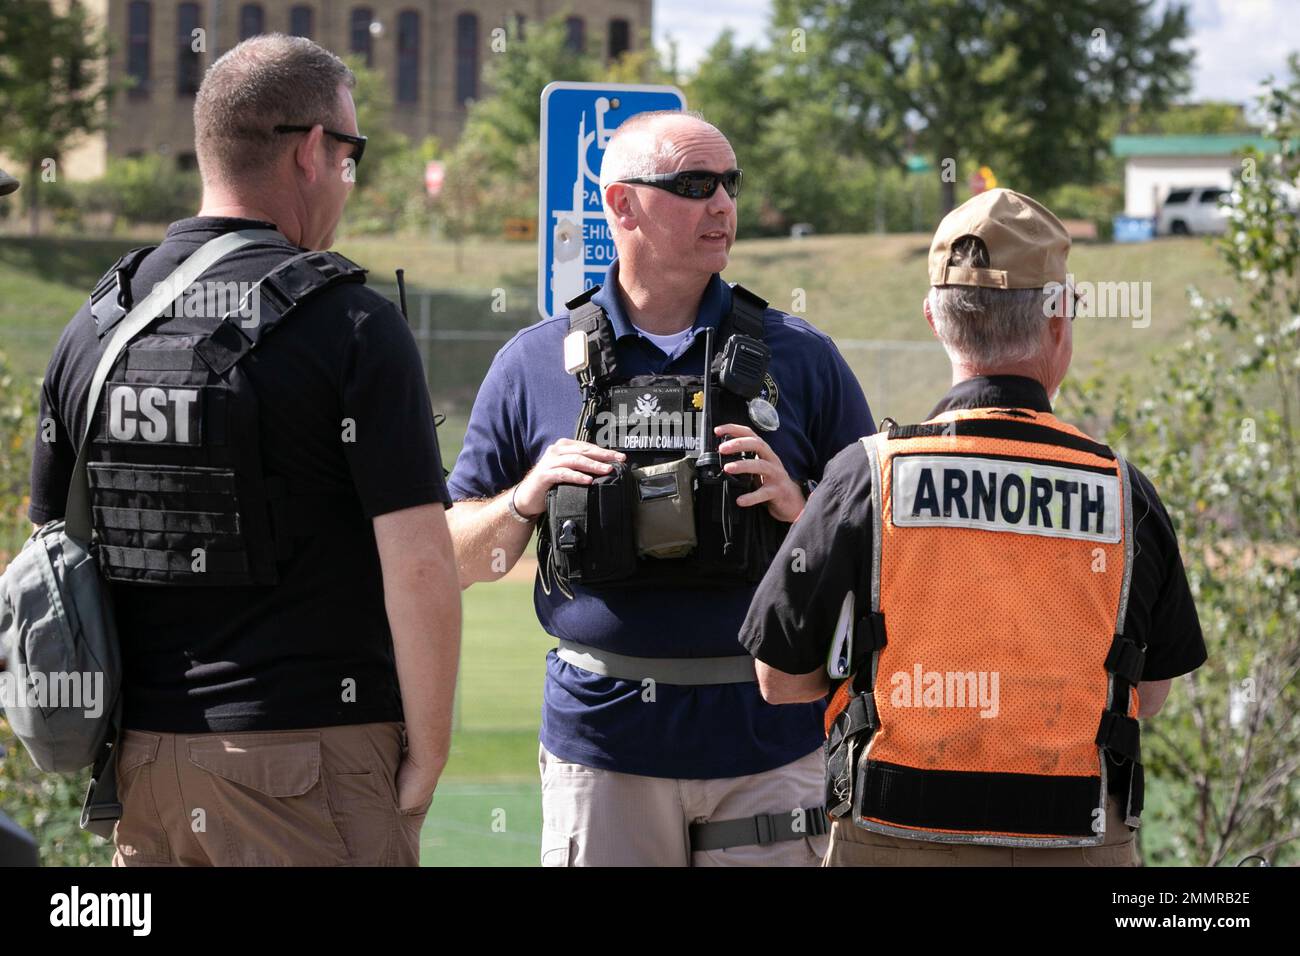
{"x": 1003, "y": 495}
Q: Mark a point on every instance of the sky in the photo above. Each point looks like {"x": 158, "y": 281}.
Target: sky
{"x": 1237, "y": 42}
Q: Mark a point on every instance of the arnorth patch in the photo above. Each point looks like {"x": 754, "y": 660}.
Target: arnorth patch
{"x": 997, "y": 495}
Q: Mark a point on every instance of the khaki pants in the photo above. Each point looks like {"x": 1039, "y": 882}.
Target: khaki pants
{"x": 851, "y": 845}
{"x": 593, "y": 817}
{"x": 320, "y": 797}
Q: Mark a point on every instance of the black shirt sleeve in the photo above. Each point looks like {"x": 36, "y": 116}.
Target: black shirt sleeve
{"x": 826, "y": 554}
{"x": 59, "y": 425}
{"x": 1161, "y": 610}
{"x": 388, "y": 431}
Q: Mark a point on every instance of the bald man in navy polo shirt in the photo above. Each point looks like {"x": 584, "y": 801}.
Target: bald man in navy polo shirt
{"x": 669, "y": 774}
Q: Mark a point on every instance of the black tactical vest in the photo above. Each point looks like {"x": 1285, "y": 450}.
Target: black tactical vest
{"x": 179, "y": 495}
{"x": 653, "y": 521}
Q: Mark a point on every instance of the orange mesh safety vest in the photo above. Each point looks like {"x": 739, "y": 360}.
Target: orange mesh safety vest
{"x": 991, "y": 674}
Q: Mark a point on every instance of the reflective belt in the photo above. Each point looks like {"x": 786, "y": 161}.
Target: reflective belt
{"x": 760, "y": 829}
{"x": 736, "y": 669}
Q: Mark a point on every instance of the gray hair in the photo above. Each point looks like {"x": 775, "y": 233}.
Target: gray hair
{"x": 985, "y": 328}
{"x": 263, "y": 82}
{"x": 636, "y": 149}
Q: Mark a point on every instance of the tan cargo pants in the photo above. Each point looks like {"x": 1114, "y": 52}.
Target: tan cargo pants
{"x": 593, "y": 817}
{"x": 854, "y": 846}
{"x": 325, "y": 796}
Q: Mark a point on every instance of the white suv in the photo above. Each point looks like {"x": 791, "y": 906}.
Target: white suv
{"x": 1192, "y": 210}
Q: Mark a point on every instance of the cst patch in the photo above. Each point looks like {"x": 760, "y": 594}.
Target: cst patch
{"x": 153, "y": 414}
{"x": 769, "y": 391}
{"x": 1052, "y": 500}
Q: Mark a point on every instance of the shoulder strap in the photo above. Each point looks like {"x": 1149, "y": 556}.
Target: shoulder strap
{"x": 746, "y": 316}
{"x": 1004, "y": 428}
{"x": 135, "y": 322}
{"x": 589, "y": 318}
{"x": 276, "y": 296}
{"x": 110, "y": 300}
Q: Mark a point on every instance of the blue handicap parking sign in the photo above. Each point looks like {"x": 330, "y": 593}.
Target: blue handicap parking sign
{"x": 574, "y": 246}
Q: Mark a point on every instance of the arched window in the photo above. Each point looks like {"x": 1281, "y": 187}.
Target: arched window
{"x": 188, "y": 73}
{"x": 575, "y": 34}
{"x": 466, "y": 57}
{"x": 620, "y": 38}
{"x": 361, "y": 17}
{"x": 139, "y": 27}
{"x": 408, "y": 56}
{"x": 302, "y": 21}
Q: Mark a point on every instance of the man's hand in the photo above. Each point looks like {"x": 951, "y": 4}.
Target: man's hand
{"x": 566, "y": 462}
{"x": 416, "y": 782}
{"x": 783, "y": 497}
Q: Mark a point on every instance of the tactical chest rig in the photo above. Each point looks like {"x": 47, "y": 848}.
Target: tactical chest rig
{"x": 668, "y": 516}
{"x": 178, "y": 491}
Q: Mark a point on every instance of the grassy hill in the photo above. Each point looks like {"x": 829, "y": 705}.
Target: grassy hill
{"x": 863, "y": 290}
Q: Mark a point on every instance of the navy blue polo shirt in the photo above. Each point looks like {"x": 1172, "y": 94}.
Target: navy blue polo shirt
{"x": 526, "y": 403}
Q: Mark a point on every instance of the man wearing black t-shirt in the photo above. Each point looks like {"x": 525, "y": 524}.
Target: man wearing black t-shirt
{"x": 998, "y": 598}
{"x": 304, "y": 721}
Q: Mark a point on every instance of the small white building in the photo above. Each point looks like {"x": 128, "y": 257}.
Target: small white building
{"x": 1156, "y": 164}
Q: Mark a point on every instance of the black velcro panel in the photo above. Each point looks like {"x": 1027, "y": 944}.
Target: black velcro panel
{"x": 224, "y": 347}
{"x": 998, "y": 428}
{"x": 1011, "y": 803}
{"x": 191, "y": 522}
{"x": 151, "y": 559}
{"x": 107, "y": 476}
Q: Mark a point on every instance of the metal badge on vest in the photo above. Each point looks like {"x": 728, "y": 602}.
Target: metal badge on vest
{"x": 179, "y": 493}
{"x": 992, "y": 690}
{"x": 668, "y": 516}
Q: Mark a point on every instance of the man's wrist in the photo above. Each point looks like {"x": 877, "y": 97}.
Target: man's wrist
{"x": 515, "y": 513}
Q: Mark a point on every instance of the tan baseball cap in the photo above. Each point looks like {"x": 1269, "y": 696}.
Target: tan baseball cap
{"x": 1027, "y": 244}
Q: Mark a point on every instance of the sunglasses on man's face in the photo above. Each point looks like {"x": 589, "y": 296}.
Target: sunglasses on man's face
{"x": 357, "y": 141}
{"x": 691, "y": 183}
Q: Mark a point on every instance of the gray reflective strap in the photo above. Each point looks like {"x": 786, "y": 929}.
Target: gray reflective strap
{"x": 759, "y": 830}
{"x": 1126, "y": 506}
{"x": 872, "y": 446}
{"x": 77, "y": 513}
{"x": 662, "y": 670}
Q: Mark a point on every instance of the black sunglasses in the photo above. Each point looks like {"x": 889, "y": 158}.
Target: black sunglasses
{"x": 691, "y": 183}
{"x": 358, "y": 141}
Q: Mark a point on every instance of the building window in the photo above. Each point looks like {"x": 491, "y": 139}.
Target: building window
{"x": 408, "y": 57}
{"x": 619, "y": 38}
{"x": 575, "y": 34}
{"x": 466, "y": 57}
{"x": 139, "y": 26}
{"x": 361, "y": 17}
{"x": 301, "y": 19}
{"x": 186, "y": 162}
{"x": 188, "y": 73}
{"x": 252, "y": 20}
{"x": 521, "y": 24}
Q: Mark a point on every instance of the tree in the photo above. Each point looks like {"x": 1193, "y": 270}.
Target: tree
{"x": 1216, "y": 425}
{"x": 492, "y": 172}
{"x": 49, "y": 90}
{"x": 1026, "y": 81}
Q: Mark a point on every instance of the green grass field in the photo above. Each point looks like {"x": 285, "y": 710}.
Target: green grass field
{"x": 857, "y": 288}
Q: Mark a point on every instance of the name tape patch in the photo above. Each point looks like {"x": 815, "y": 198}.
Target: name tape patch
{"x": 994, "y": 495}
